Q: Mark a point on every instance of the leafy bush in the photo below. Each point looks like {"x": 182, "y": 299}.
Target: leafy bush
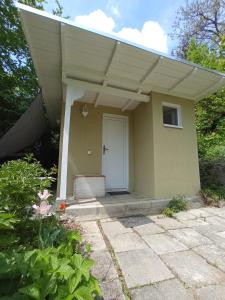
{"x": 174, "y": 206}
{"x": 51, "y": 273}
{"x": 212, "y": 173}
{"x": 177, "y": 204}
{"x": 168, "y": 212}
{"x": 40, "y": 259}
{"x": 213, "y": 197}
{"x": 7, "y": 222}
{"x": 20, "y": 181}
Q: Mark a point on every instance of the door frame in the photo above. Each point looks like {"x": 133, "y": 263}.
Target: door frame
{"x": 126, "y": 147}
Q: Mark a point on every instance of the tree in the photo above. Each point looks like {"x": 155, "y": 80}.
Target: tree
{"x": 210, "y": 112}
{"x": 18, "y": 81}
{"x": 203, "y": 20}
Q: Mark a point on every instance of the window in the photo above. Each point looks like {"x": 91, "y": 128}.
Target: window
{"x": 171, "y": 115}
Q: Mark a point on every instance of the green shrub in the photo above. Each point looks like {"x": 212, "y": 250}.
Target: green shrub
{"x": 213, "y": 196}
{"x": 20, "y": 181}
{"x": 7, "y": 223}
{"x": 177, "y": 204}
{"x": 51, "y": 273}
{"x": 168, "y": 212}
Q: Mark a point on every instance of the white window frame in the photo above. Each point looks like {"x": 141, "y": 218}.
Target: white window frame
{"x": 179, "y": 115}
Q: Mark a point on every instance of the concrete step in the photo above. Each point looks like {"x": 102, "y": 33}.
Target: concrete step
{"x": 98, "y": 209}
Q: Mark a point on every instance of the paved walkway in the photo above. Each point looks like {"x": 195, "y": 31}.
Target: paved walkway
{"x": 159, "y": 258}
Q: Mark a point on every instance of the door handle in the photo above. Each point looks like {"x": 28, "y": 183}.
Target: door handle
{"x": 105, "y": 149}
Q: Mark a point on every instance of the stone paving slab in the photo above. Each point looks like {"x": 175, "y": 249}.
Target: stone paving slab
{"x": 105, "y": 272}
{"x": 90, "y": 227}
{"x": 193, "y": 269}
{"x": 149, "y": 229}
{"x": 112, "y": 290}
{"x": 163, "y": 243}
{"x": 221, "y": 234}
{"x": 126, "y": 241}
{"x": 114, "y": 228}
{"x": 165, "y": 290}
{"x": 141, "y": 267}
{"x": 167, "y": 223}
{"x": 135, "y": 221}
{"x": 200, "y": 213}
{"x": 194, "y": 223}
{"x": 212, "y": 233}
{"x": 215, "y": 220}
{"x": 213, "y": 254}
{"x": 190, "y": 237}
{"x": 96, "y": 240}
{"x": 103, "y": 268}
{"x": 213, "y": 292}
{"x": 184, "y": 216}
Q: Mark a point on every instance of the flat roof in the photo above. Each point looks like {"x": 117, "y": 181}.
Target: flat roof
{"x": 104, "y": 64}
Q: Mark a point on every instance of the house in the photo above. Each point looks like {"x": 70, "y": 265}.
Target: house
{"x": 126, "y": 112}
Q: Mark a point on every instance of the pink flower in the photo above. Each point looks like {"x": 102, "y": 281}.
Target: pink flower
{"x": 44, "y": 195}
{"x": 43, "y": 209}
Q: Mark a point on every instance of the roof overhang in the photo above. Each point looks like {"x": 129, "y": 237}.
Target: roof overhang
{"x": 113, "y": 71}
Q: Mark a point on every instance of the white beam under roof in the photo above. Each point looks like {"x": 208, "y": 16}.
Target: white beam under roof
{"x": 97, "y": 100}
{"x": 151, "y": 69}
{"x": 181, "y": 80}
{"x": 127, "y": 104}
{"x": 107, "y": 90}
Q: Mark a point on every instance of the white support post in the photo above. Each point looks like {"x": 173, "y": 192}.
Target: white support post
{"x": 72, "y": 94}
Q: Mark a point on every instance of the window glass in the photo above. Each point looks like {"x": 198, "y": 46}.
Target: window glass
{"x": 170, "y": 116}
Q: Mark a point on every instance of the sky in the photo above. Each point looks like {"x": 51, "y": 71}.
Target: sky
{"x": 145, "y": 22}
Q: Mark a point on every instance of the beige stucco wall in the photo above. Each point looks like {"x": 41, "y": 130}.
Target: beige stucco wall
{"x": 163, "y": 161}
{"x": 143, "y": 149}
{"x": 176, "y": 168}
{"x": 86, "y": 134}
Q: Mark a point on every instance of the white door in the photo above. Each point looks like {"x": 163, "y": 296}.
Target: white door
{"x": 115, "y": 152}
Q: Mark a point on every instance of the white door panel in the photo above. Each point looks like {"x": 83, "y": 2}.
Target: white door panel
{"x": 115, "y": 152}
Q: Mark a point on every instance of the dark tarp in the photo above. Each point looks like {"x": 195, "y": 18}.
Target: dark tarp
{"x": 27, "y": 130}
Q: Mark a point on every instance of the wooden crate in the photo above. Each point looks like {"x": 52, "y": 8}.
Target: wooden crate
{"x": 89, "y": 186}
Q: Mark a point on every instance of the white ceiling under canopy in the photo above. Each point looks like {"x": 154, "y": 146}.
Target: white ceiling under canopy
{"x": 114, "y": 72}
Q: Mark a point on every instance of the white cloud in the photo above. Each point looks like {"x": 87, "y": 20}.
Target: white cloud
{"x": 151, "y": 35}
{"x": 97, "y": 20}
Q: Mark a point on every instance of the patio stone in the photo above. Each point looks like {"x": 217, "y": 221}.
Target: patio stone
{"x": 211, "y": 210}
{"x": 221, "y": 234}
{"x": 126, "y": 241}
{"x": 212, "y": 233}
{"x": 103, "y": 269}
{"x": 166, "y": 290}
{"x": 96, "y": 240}
{"x": 111, "y": 290}
{"x": 90, "y": 227}
{"x": 193, "y": 269}
{"x": 163, "y": 243}
{"x": 141, "y": 267}
{"x": 212, "y": 254}
{"x": 184, "y": 216}
{"x": 215, "y": 220}
{"x": 149, "y": 229}
{"x": 135, "y": 221}
{"x": 190, "y": 237}
{"x": 200, "y": 213}
{"x": 167, "y": 223}
{"x": 194, "y": 223}
{"x": 215, "y": 292}
{"x": 114, "y": 228}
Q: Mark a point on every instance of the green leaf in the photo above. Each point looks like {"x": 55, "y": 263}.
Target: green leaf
{"x": 73, "y": 281}
{"x": 31, "y": 291}
{"x": 83, "y": 293}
